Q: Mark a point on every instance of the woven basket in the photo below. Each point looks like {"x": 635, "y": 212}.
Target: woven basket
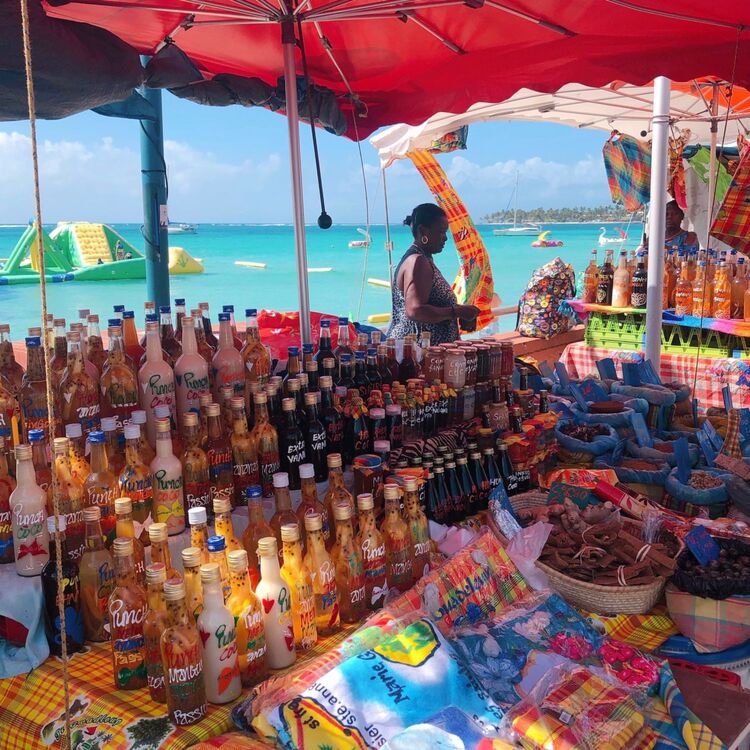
{"x": 603, "y": 600}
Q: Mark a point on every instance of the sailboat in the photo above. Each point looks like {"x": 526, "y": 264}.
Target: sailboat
{"x": 526, "y": 229}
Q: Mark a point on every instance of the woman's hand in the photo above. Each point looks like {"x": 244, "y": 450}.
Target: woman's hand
{"x": 467, "y": 312}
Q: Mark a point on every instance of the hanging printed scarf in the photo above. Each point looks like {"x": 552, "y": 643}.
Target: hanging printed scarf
{"x": 473, "y": 284}
{"x": 627, "y": 162}
{"x": 676, "y": 182}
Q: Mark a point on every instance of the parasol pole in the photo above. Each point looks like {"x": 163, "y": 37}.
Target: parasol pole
{"x": 295, "y": 159}
{"x": 659, "y": 159}
{"x": 388, "y": 241}
{"x": 712, "y": 163}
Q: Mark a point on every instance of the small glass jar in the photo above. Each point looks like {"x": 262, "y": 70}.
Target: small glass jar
{"x": 507, "y": 362}
{"x": 432, "y": 367}
{"x": 470, "y": 354}
{"x": 455, "y": 368}
{"x": 496, "y": 358}
{"x": 499, "y": 416}
{"x": 483, "y": 363}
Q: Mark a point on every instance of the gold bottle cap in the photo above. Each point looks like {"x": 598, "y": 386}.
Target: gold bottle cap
{"x": 122, "y": 546}
{"x": 313, "y": 522}
{"x": 61, "y": 445}
{"x": 237, "y": 561}
{"x": 23, "y": 452}
{"x": 210, "y": 573}
{"x": 261, "y": 398}
{"x": 226, "y": 392}
{"x": 475, "y": 454}
{"x": 334, "y": 460}
{"x": 157, "y": 532}
{"x": 163, "y": 425}
{"x": 365, "y": 502}
{"x": 488, "y": 452}
{"x": 237, "y": 402}
{"x": 205, "y": 399}
{"x": 329, "y": 363}
{"x": 156, "y": 573}
{"x": 174, "y": 589}
{"x": 191, "y": 557}
{"x": 311, "y": 399}
{"x": 410, "y": 484}
{"x": 92, "y": 318}
{"x": 213, "y": 410}
{"x": 190, "y": 419}
{"x": 288, "y": 404}
{"x": 391, "y": 491}
{"x": 311, "y": 366}
{"x": 222, "y": 505}
{"x": 342, "y": 511}
{"x": 123, "y": 505}
{"x": 93, "y": 513}
{"x": 292, "y": 384}
{"x": 58, "y": 322}
{"x": 267, "y": 547}
{"x": 290, "y": 532}
{"x": 326, "y": 381}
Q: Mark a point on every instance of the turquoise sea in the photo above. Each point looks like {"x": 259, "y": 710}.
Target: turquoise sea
{"x": 337, "y": 292}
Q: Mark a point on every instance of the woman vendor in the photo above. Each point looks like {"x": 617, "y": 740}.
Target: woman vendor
{"x": 675, "y": 237}
{"x": 422, "y": 299}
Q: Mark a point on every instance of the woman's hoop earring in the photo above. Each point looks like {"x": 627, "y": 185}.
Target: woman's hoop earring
{"x": 425, "y": 239}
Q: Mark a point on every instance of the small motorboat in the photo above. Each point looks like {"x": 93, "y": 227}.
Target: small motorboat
{"x": 181, "y": 229}
{"x": 604, "y": 240}
{"x": 542, "y": 241}
{"x": 365, "y": 242}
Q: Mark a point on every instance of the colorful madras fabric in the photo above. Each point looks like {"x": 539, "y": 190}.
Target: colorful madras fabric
{"x": 627, "y": 162}
{"x": 473, "y": 284}
{"x": 232, "y": 741}
{"x": 645, "y": 632}
{"x": 732, "y": 222}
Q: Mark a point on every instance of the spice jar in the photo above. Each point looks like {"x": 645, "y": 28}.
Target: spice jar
{"x": 393, "y": 425}
{"x": 454, "y": 367}
{"x": 496, "y": 357}
{"x": 507, "y": 363}
{"x": 470, "y": 354}
{"x": 483, "y": 362}
{"x": 432, "y": 366}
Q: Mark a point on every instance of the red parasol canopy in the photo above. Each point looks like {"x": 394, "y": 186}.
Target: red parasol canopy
{"x": 407, "y": 59}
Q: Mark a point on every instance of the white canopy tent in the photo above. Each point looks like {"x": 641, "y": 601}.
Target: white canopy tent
{"x": 647, "y": 112}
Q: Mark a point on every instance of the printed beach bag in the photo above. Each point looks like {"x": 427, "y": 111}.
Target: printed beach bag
{"x": 539, "y": 314}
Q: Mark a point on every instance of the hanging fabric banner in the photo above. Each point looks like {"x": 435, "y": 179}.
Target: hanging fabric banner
{"x": 732, "y": 223}
{"x": 473, "y": 284}
{"x": 627, "y": 162}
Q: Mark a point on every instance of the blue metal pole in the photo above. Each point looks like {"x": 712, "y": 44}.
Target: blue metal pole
{"x": 154, "y": 187}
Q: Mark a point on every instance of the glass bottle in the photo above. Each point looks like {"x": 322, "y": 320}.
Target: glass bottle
{"x": 590, "y": 279}
{"x": 435, "y": 503}
{"x": 195, "y": 473}
{"x": 684, "y": 292}
{"x": 621, "y": 282}
{"x": 132, "y": 345}
{"x": 297, "y": 577}
{"x": 372, "y": 548}
{"x": 469, "y": 489}
{"x": 342, "y": 340}
{"x": 79, "y": 390}
{"x": 28, "y": 503}
{"x": 202, "y": 346}
{"x": 42, "y": 470}
{"x": 331, "y": 416}
{"x": 125, "y": 529}
{"x": 136, "y": 481}
{"x": 293, "y": 366}
{"x": 229, "y": 310}
{"x": 309, "y": 502}
{"x": 219, "y": 455}
{"x": 248, "y": 618}
{"x": 221, "y": 671}
{"x": 255, "y": 356}
{"x": 138, "y": 416}
{"x": 153, "y": 319}
{"x": 7, "y": 485}
{"x": 154, "y": 624}
{"x": 217, "y": 554}
{"x": 325, "y": 349}
{"x": 208, "y": 329}
{"x": 71, "y": 595}
{"x": 294, "y": 387}
{"x": 168, "y": 339}
{"x": 160, "y": 552}
{"x": 156, "y": 380}
{"x": 284, "y": 513}
{"x": 244, "y": 453}
{"x": 60, "y": 353}
{"x": 323, "y": 573}
{"x": 100, "y": 487}
{"x": 291, "y": 443}
{"x": 166, "y": 471}
{"x": 127, "y": 609}
{"x": 227, "y": 365}
{"x": 382, "y": 364}
{"x": 336, "y": 492}
{"x": 399, "y": 547}
{"x": 224, "y": 525}
{"x": 191, "y": 373}
{"x": 32, "y": 397}
{"x": 198, "y": 521}
{"x": 738, "y": 287}
{"x": 77, "y": 453}
{"x": 182, "y": 659}
{"x": 346, "y": 372}
{"x": 604, "y": 281}
{"x": 225, "y": 407}
{"x": 703, "y": 292}
{"x": 408, "y": 368}
{"x": 97, "y": 575}
{"x": 350, "y": 572}
{"x": 373, "y": 373}
{"x": 275, "y": 597}
{"x": 266, "y": 439}
{"x": 192, "y": 559}
{"x": 330, "y": 369}
{"x": 119, "y": 382}
{"x": 11, "y": 370}
{"x": 417, "y": 522}
{"x": 391, "y": 361}
{"x": 480, "y": 479}
{"x": 312, "y": 370}
{"x": 255, "y": 530}
{"x": 149, "y": 313}
{"x": 360, "y": 379}
{"x": 722, "y": 298}
{"x": 179, "y": 313}
{"x": 70, "y": 499}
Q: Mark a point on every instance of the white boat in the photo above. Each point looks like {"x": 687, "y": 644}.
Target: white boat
{"x": 181, "y": 229}
{"x": 526, "y": 229}
{"x": 363, "y": 242}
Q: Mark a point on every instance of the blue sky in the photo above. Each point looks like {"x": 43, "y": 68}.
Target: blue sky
{"x": 231, "y": 165}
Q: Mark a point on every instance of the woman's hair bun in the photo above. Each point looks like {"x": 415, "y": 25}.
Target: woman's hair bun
{"x": 408, "y": 220}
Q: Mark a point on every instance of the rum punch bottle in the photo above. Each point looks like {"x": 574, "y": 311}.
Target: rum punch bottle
{"x": 298, "y": 578}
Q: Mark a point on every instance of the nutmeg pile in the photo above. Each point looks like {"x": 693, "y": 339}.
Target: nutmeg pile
{"x": 597, "y": 546}
{"x": 727, "y": 576}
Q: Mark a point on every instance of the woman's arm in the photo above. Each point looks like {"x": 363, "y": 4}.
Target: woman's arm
{"x": 416, "y": 281}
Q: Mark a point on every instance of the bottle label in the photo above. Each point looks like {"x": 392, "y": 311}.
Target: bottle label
{"x": 194, "y": 385}
{"x": 334, "y": 431}
{"x": 269, "y": 465}
{"x": 184, "y": 672}
{"x": 317, "y": 441}
{"x": 126, "y": 627}
{"x": 246, "y": 474}
{"x": 158, "y": 392}
{"x": 167, "y": 501}
{"x": 294, "y": 453}
{"x": 399, "y": 564}
{"x": 308, "y": 634}
{"x": 141, "y": 492}
{"x": 197, "y": 495}
{"x": 255, "y": 648}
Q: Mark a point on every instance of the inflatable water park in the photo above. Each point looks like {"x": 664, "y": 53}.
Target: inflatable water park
{"x": 83, "y": 251}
